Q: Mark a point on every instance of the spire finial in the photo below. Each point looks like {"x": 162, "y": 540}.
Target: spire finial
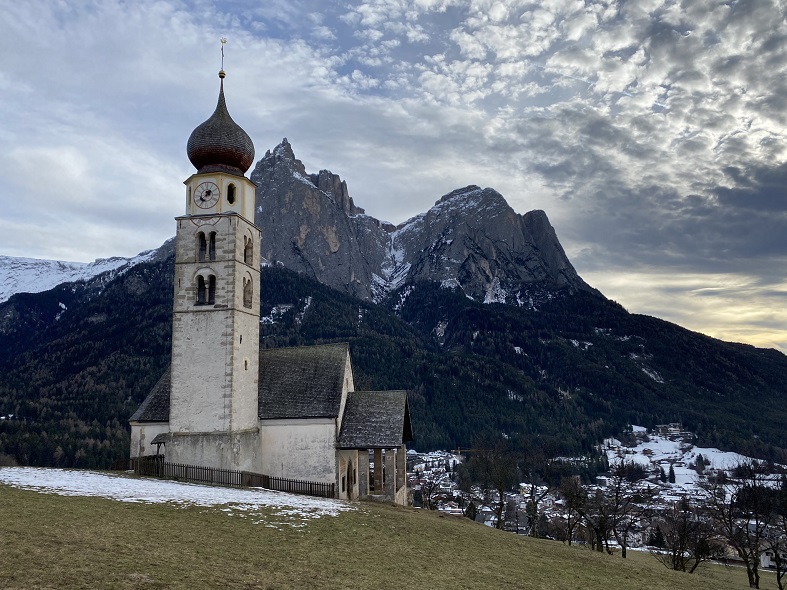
{"x": 223, "y": 42}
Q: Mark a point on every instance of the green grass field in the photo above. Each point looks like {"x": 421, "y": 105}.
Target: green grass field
{"x": 49, "y": 541}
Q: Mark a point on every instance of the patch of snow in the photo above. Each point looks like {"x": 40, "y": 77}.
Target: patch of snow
{"x": 439, "y": 329}
{"x": 301, "y": 178}
{"x": 653, "y": 375}
{"x": 495, "y": 293}
{"x": 402, "y": 298}
{"x": 302, "y": 313}
{"x": 295, "y": 510}
{"x": 276, "y": 313}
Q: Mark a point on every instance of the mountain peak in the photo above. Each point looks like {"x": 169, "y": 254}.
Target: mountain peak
{"x": 469, "y": 190}
{"x": 470, "y": 238}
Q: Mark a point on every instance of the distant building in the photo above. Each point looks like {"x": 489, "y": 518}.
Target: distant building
{"x": 223, "y": 403}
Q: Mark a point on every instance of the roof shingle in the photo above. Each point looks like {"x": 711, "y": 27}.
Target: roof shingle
{"x": 155, "y": 408}
{"x": 302, "y": 382}
{"x": 375, "y": 419}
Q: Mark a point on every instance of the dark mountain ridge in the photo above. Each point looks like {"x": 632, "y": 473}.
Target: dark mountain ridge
{"x": 473, "y": 307}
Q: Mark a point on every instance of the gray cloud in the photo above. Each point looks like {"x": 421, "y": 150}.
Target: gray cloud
{"x": 654, "y": 133}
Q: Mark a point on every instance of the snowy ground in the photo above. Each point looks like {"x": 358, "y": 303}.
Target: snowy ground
{"x": 264, "y": 507}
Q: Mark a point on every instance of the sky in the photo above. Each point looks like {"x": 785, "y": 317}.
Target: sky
{"x": 652, "y": 132}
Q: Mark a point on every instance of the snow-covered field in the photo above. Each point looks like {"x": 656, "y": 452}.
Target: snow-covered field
{"x": 675, "y": 450}
{"x": 264, "y": 507}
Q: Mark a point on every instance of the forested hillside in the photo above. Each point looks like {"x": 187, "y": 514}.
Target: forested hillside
{"x": 561, "y": 373}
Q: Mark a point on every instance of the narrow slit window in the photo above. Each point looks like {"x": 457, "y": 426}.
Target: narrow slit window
{"x": 212, "y": 289}
{"x": 231, "y": 194}
{"x": 212, "y": 247}
{"x": 202, "y": 247}
{"x": 248, "y": 250}
{"x": 248, "y": 292}
{"x": 201, "y": 291}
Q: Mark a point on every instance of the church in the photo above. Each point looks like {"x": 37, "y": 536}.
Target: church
{"x": 224, "y": 403}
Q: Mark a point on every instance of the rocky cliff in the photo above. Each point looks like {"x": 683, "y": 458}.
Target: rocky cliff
{"x": 471, "y": 239}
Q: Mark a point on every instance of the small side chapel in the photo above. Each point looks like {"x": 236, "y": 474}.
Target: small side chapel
{"x": 224, "y": 403}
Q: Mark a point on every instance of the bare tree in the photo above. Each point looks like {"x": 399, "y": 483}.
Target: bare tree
{"x": 432, "y": 492}
{"x": 628, "y": 503}
{"x": 689, "y": 538}
{"x": 573, "y": 496}
{"x": 595, "y": 512}
{"x": 775, "y": 540}
{"x": 494, "y": 465}
{"x": 534, "y": 464}
{"x": 741, "y": 508}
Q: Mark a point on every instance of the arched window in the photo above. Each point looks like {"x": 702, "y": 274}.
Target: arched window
{"x": 248, "y": 249}
{"x": 248, "y": 292}
{"x": 201, "y": 291}
{"x": 202, "y": 247}
{"x": 212, "y": 246}
{"x": 231, "y": 194}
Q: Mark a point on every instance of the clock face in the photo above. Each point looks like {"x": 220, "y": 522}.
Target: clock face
{"x": 206, "y": 195}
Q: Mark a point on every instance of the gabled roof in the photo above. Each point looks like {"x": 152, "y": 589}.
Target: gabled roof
{"x": 302, "y": 382}
{"x": 155, "y": 408}
{"x": 375, "y": 419}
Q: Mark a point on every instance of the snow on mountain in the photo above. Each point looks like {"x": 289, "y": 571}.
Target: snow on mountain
{"x": 32, "y": 275}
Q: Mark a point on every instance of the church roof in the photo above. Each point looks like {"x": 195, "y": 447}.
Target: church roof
{"x": 302, "y": 382}
{"x": 375, "y": 419}
{"x": 220, "y": 144}
{"x": 306, "y": 382}
{"x": 155, "y": 408}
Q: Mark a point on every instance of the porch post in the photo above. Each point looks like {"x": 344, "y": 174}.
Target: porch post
{"x": 401, "y": 467}
{"x": 378, "y": 471}
{"x": 390, "y": 475}
{"x": 363, "y": 473}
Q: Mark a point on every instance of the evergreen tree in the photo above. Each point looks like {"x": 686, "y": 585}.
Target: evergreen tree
{"x": 671, "y": 477}
{"x": 656, "y": 538}
{"x": 662, "y": 475}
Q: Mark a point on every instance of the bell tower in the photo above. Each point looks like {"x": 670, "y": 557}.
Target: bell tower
{"x": 213, "y": 417}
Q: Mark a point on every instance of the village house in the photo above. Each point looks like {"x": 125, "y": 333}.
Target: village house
{"x": 223, "y": 403}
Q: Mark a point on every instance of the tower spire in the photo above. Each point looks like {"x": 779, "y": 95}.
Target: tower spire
{"x": 219, "y": 143}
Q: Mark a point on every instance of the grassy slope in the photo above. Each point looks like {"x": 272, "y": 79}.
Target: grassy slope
{"x": 49, "y": 541}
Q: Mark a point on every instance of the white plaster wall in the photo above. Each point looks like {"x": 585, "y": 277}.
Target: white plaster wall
{"x": 351, "y": 491}
{"x": 299, "y": 449}
{"x": 244, "y": 193}
{"x": 237, "y": 451}
{"x": 200, "y": 398}
{"x": 141, "y": 435}
{"x": 347, "y": 385}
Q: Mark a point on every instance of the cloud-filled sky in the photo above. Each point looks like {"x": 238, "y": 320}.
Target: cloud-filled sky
{"x": 652, "y": 132}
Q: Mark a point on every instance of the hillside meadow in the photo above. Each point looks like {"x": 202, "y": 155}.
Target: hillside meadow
{"x": 50, "y": 541}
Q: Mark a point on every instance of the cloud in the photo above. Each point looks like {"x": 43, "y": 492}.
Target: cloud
{"x": 654, "y": 133}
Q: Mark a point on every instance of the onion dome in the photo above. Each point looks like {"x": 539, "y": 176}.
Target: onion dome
{"x": 219, "y": 144}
